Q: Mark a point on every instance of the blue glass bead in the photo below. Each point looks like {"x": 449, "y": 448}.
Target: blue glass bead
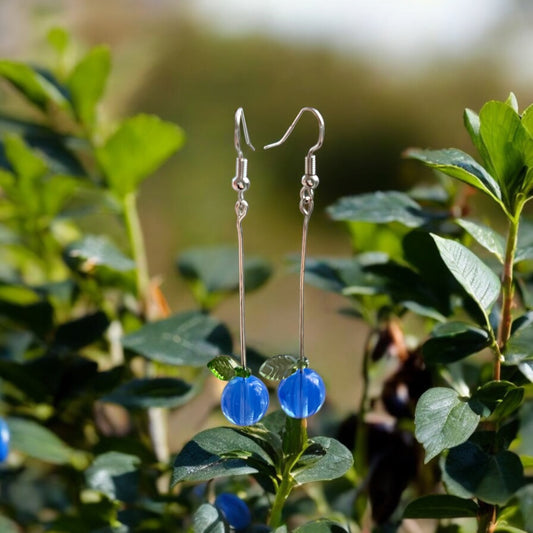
{"x": 244, "y": 400}
{"x": 235, "y": 511}
{"x": 4, "y": 440}
{"x": 302, "y": 394}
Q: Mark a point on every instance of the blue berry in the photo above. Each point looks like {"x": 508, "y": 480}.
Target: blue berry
{"x": 235, "y": 511}
{"x": 244, "y": 400}
{"x": 302, "y": 394}
{"x": 4, "y": 440}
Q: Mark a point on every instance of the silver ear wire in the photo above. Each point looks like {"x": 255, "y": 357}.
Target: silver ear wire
{"x": 309, "y": 182}
{"x": 240, "y": 184}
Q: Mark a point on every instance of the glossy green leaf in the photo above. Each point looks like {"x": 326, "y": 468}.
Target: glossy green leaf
{"x": 25, "y": 162}
{"x": 333, "y": 463}
{"x": 21, "y": 376}
{"x": 8, "y": 526}
{"x": 525, "y": 497}
{"x": 519, "y": 348}
{"x": 452, "y": 341}
{"x": 523, "y": 254}
{"x": 59, "y": 39}
{"x": 443, "y": 420}
{"x": 508, "y": 145}
{"x": 87, "y": 83}
{"x": 322, "y": 525}
{"x": 487, "y": 237}
{"x": 35, "y": 87}
{"x": 189, "y": 338}
{"x": 472, "y": 124}
{"x": 380, "y": 207}
{"x": 219, "y": 452}
{"x": 441, "y": 506}
{"x": 208, "y": 519}
{"x": 143, "y": 393}
{"x": 57, "y": 150}
{"x": 278, "y": 367}
{"x": 223, "y": 367}
{"x": 346, "y": 275}
{"x": 492, "y": 393}
{"x": 93, "y": 251}
{"x": 216, "y": 269}
{"x": 461, "y": 166}
{"x": 140, "y": 146}
{"x": 80, "y": 332}
{"x": 471, "y": 472}
{"x": 115, "y": 475}
{"x": 38, "y": 442}
{"x": 478, "y": 280}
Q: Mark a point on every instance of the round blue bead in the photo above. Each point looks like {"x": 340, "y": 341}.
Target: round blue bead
{"x": 4, "y": 440}
{"x": 235, "y": 511}
{"x": 302, "y": 394}
{"x": 244, "y": 400}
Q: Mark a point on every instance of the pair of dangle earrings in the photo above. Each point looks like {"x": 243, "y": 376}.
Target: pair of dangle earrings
{"x": 301, "y": 391}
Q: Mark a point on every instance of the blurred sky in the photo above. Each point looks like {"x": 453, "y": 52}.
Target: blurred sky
{"x": 396, "y": 34}
{"x": 397, "y": 29}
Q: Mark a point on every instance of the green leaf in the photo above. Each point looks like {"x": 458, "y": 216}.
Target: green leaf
{"x": 443, "y": 420}
{"x": 485, "y": 236}
{"x": 334, "y": 463}
{"x": 208, "y": 519}
{"x": 507, "y": 144}
{"x": 220, "y": 452}
{"x": 278, "y": 367}
{"x": 189, "y": 338}
{"x": 471, "y": 472}
{"x": 115, "y": 475}
{"x": 21, "y": 376}
{"x": 58, "y": 151}
{"x": 8, "y": 526}
{"x": 461, "y": 166}
{"x": 34, "y": 86}
{"x": 502, "y": 398}
{"x": 322, "y": 525}
{"x": 39, "y": 442}
{"x": 523, "y": 254}
{"x": 478, "y": 280}
{"x": 223, "y": 367}
{"x": 25, "y": 162}
{"x": 441, "y": 506}
{"x": 342, "y": 274}
{"x": 216, "y": 270}
{"x": 380, "y": 207}
{"x": 453, "y": 341}
{"x": 472, "y": 124}
{"x": 492, "y": 393}
{"x": 139, "y": 146}
{"x": 59, "y": 39}
{"x": 87, "y": 83}
{"x": 143, "y": 393}
{"x": 93, "y": 251}
{"x": 519, "y": 347}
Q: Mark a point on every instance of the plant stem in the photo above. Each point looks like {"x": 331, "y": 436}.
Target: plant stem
{"x": 504, "y": 330}
{"x": 282, "y": 494}
{"x": 157, "y": 417}
{"x": 294, "y": 444}
{"x": 133, "y": 225}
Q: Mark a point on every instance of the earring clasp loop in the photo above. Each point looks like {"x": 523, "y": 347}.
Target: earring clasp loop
{"x": 321, "y": 130}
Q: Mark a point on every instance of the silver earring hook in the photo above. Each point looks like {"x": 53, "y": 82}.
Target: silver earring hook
{"x": 240, "y": 120}
{"x": 321, "y": 130}
{"x": 309, "y": 184}
{"x": 240, "y": 184}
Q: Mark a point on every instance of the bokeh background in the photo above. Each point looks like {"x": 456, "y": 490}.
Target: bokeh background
{"x": 386, "y": 75}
